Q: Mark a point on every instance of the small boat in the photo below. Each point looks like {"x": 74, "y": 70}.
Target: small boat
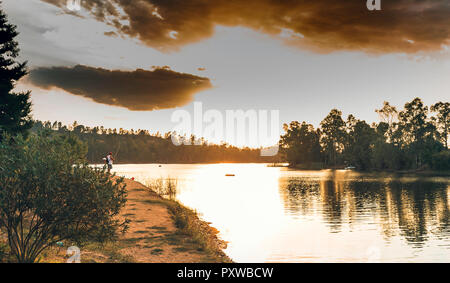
{"x": 229, "y": 175}
{"x": 350, "y": 168}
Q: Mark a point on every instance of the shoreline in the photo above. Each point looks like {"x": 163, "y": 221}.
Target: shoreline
{"x": 160, "y": 231}
{"x": 418, "y": 172}
{"x": 188, "y": 222}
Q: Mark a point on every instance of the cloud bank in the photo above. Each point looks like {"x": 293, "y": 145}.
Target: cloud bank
{"x": 321, "y": 25}
{"x": 139, "y": 90}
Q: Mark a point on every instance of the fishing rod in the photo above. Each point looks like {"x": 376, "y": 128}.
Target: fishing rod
{"x": 117, "y": 151}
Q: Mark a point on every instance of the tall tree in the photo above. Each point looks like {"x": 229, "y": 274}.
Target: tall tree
{"x": 15, "y": 108}
{"x": 333, "y": 135}
{"x": 442, "y": 119}
{"x": 387, "y": 113}
{"x": 359, "y": 143}
{"x": 389, "y": 116}
{"x": 416, "y": 131}
{"x": 300, "y": 143}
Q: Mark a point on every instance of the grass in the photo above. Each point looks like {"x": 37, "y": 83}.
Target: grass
{"x": 90, "y": 253}
{"x": 157, "y": 251}
{"x": 111, "y": 250}
{"x": 192, "y": 233}
{"x": 165, "y": 187}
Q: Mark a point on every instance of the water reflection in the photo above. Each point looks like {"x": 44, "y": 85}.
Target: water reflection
{"x": 272, "y": 214}
{"x": 410, "y": 207}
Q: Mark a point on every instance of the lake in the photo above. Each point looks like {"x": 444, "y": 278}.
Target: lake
{"x": 275, "y": 214}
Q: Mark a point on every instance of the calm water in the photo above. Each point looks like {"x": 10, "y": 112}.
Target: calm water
{"x": 281, "y": 215}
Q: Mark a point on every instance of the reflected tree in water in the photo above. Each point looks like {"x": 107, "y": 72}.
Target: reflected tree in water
{"x": 414, "y": 209}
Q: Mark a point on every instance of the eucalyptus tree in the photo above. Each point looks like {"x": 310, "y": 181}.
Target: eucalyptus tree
{"x": 333, "y": 136}
{"x": 300, "y": 143}
{"x": 442, "y": 120}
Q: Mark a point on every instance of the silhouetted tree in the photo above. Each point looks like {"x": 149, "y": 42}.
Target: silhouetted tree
{"x": 333, "y": 136}
{"x": 415, "y": 132}
{"x": 442, "y": 119}
{"x": 301, "y": 143}
{"x": 360, "y": 141}
{"x": 15, "y": 108}
{"x": 142, "y": 147}
{"x": 387, "y": 113}
{"x": 406, "y": 139}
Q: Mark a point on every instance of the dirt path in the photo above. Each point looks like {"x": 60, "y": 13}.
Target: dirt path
{"x": 152, "y": 234}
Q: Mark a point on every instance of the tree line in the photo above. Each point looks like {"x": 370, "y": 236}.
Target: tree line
{"x": 408, "y": 139}
{"x": 415, "y": 137}
{"x": 141, "y": 146}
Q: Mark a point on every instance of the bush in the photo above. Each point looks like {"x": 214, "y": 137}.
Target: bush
{"x": 4, "y": 252}
{"x": 48, "y": 193}
{"x": 441, "y": 160}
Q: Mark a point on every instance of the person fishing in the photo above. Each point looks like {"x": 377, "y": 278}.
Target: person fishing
{"x": 109, "y": 161}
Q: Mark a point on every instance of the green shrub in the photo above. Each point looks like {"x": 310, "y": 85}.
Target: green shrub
{"x": 49, "y": 193}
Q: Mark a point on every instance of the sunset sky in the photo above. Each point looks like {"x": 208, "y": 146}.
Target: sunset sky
{"x": 130, "y": 64}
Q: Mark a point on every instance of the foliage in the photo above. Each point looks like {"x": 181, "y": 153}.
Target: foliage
{"x": 388, "y": 113}
{"x": 406, "y": 139}
{"x": 332, "y": 138}
{"x": 441, "y": 160}
{"x": 4, "y": 252}
{"x": 442, "y": 120}
{"x": 301, "y": 143}
{"x": 139, "y": 146}
{"x": 15, "y": 108}
{"x": 48, "y": 193}
{"x": 415, "y": 133}
{"x": 359, "y": 143}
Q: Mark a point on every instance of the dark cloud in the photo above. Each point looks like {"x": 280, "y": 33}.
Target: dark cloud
{"x": 322, "y": 25}
{"x": 139, "y": 90}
